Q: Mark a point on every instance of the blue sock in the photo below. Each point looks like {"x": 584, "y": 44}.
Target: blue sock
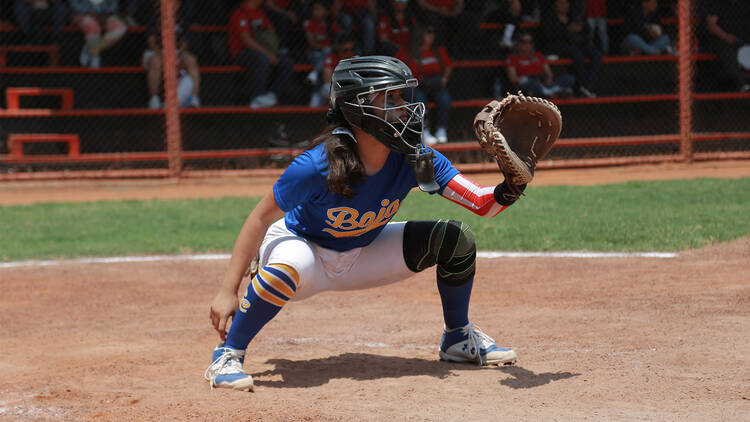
{"x": 267, "y": 293}
{"x": 455, "y": 301}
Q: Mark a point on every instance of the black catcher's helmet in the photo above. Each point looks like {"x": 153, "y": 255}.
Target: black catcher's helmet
{"x": 356, "y": 81}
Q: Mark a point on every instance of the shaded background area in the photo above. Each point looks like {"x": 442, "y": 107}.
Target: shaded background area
{"x": 637, "y": 94}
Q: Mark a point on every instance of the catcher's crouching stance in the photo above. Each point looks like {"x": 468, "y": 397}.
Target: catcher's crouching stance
{"x": 327, "y": 224}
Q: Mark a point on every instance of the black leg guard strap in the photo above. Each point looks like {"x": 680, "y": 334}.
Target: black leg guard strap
{"x": 449, "y": 244}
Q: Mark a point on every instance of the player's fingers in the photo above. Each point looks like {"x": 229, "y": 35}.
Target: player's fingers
{"x": 214, "y": 318}
{"x": 222, "y": 327}
{"x": 223, "y": 333}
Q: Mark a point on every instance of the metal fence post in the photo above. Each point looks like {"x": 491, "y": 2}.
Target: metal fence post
{"x": 685, "y": 72}
{"x": 169, "y": 54}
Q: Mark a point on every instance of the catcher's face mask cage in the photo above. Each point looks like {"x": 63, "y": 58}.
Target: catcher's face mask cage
{"x": 395, "y": 122}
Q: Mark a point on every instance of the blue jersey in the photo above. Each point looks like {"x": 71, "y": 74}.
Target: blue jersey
{"x": 339, "y": 223}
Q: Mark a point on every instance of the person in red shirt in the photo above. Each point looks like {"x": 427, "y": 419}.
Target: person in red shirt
{"x": 319, "y": 31}
{"x": 530, "y": 73}
{"x": 432, "y": 66}
{"x": 344, "y": 49}
{"x": 253, "y": 44}
{"x": 394, "y": 27}
{"x": 596, "y": 18}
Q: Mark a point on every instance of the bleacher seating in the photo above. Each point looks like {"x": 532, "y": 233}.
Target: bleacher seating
{"x": 620, "y": 76}
{"x": 16, "y": 142}
{"x": 13, "y": 96}
{"x": 648, "y": 81}
{"x": 52, "y": 52}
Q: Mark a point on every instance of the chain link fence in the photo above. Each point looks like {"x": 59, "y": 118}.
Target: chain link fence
{"x": 83, "y": 83}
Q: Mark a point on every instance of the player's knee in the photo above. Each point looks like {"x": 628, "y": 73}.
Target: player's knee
{"x": 155, "y": 62}
{"x": 188, "y": 60}
{"x": 456, "y": 255}
{"x": 449, "y": 244}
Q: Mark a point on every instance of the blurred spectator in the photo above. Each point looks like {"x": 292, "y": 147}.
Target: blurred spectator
{"x": 361, "y": 14}
{"x": 432, "y": 66}
{"x": 455, "y": 27}
{"x": 189, "y": 83}
{"x": 285, "y": 15}
{"x": 645, "y": 34}
{"x": 319, "y": 33}
{"x": 129, "y": 10}
{"x": 596, "y": 18}
{"x": 253, "y": 44}
{"x": 510, "y": 14}
{"x": 728, "y": 31}
{"x": 395, "y": 26}
{"x": 505, "y": 11}
{"x": 344, "y": 49}
{"x": 33, "y": 15}
{"x": 91, "y": 15}
{"x": 530, "y": 73}
{"x": 531, "y": 10}
{"x": 567, "y": 36}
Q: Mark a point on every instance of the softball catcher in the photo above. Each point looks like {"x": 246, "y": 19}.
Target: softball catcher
{"x": 327, "y": 224}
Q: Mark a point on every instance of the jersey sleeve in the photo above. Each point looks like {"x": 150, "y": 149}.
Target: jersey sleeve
{"x": 384, "y": 26}
{"x": 445, "y": 57}
{"x": 444, "y": 170}
{"x": 513, "y": 61}
{"x": 300, "y": 182}
{"x": 476, "y": 198}
{"x": 329, "y": 61}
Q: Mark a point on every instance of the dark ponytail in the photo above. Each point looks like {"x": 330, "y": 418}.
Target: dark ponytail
{"x": 344, "y": 166}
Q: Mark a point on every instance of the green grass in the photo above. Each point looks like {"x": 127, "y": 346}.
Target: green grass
{"x": 636, "y": 216}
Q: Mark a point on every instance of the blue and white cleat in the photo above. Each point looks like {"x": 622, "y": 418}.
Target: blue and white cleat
{"x": 226, "y": 369}
{"x": 470, "y": 344}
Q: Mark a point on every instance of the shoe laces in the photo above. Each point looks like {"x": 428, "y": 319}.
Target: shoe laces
{"x": 227, "y": 363}
{"x": 477, "y": 340}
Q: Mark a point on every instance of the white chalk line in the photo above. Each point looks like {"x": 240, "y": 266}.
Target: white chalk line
{"x": 576, "y": 254}
{"x": 214, "y": 257}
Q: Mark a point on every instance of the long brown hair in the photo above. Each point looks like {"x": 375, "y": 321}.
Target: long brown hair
{"x": 415, "y": 48}
{"x": 344, "y": 165}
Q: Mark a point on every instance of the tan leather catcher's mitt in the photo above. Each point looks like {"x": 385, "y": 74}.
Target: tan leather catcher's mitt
{"x": 518, "y": 131}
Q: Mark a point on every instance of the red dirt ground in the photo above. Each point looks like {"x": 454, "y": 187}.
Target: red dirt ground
{"x": 598, "y": 339}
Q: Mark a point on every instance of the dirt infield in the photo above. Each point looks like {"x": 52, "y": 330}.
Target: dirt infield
{"x": 627, "y": 339}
